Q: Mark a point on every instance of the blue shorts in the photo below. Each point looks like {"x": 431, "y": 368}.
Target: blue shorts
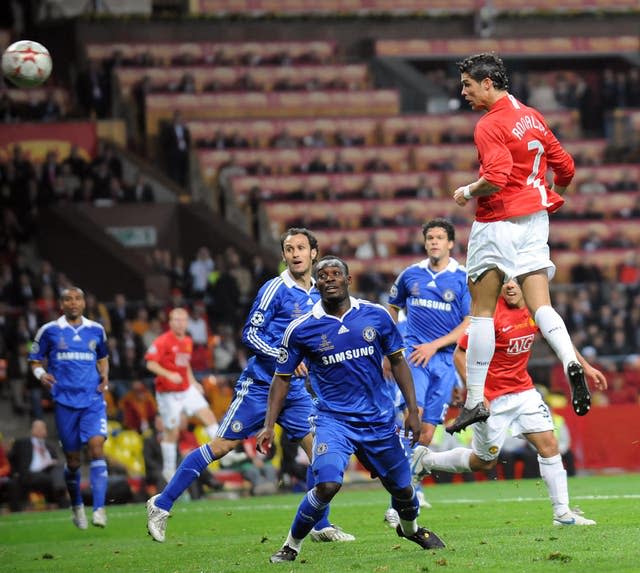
{"x": 377, "y": 446}
{"x": 245, "y": 416}
{"x": 77, "y": 425}
{"x": 434, "y": 386}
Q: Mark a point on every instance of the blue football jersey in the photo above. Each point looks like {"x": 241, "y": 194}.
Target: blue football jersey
{"x": 71, "y": 354}
{"x": 435, "y": 302}
{"x": 279, "y": 301}
{"x": 344, "y": 356}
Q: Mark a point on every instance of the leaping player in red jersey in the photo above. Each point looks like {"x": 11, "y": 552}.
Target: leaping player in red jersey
{"x": 509, "y": 237}
{"x": 515, "y": 404}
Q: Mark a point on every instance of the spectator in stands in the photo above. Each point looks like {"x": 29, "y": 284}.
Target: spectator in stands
{"x": 49, "y": 109}
{"x": 626, "y": 182}
{"x": 284, "y": 140}
{"x": 93, "y": 90}
{"x": 119, "y": 313}
{"x": 138, "y": 407}
{"x": 199, "y": 270}
{"x": 372, "y": 248}
{"x": 97, "y": 311}
{"x": 85, "y": 193}
{"x": 340, "y": 165}
{"x": 140, "y": 192}
{"x": 240, "y": 273}
{"x": 35, "y": 466}
{"x": 316, "y": 139}
{"x": 176, "y": 141}
{"x": 76, "y": 162}
{"x": 628, "y": 272}
{"x": 316, "y": 165}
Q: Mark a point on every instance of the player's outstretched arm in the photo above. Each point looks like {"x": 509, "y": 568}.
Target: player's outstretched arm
{"x": 596, "y": 376}
{"x": 402, "y": 375}
{"x": 277, "y": 395}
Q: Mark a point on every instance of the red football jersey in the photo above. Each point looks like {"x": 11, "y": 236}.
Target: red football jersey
{"x": 515, "y": 149}
{"x": 174, "y": 354}
{"x": 515, "y": 333}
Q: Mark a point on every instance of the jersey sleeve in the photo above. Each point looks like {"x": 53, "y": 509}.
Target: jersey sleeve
{"x": 494, "y": 155}
{"x": 290, "y": 353}
{"x": 560, "y": 161}
{"x": 392, "y": 341}
{"x": 264, "y": 308}
{"x": 40, "y": 345}
{"x": 102, "y": 350}
{"x": 398, "y": 292}
{"x": 153, "y": 352}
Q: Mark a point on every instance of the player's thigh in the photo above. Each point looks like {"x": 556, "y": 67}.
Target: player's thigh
{"x": 533, "y": 415}
{"x": 333, "y": 446}
{"x": 489, "y": 436}
{"x": 420, "y": 377}
{"x": 491, "y": 246}
{"x": 294, "y": 417}
{"x": 68, "y": 426}
{"x": 170, "y": 408}
{"x": 93, "y": 421}
{"x": 385, "y": 457}
{"x": 193, "y": 401}
{"x": 245, "y": 415}
{"x": 442, "y": 379}
{"x": 532, "y": 245}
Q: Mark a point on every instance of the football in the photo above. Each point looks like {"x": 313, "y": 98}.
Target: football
{"x": 26, "y": 64}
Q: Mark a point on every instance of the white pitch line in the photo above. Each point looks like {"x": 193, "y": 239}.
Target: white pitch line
{"x": 56, "y": 517}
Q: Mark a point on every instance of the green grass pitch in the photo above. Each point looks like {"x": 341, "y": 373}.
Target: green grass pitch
{"x": 500, "y": 526}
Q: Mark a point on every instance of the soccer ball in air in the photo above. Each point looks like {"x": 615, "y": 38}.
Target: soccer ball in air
{"x": 26, "y": 64}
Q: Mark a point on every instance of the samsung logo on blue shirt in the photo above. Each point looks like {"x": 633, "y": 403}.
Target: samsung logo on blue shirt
{"x": 348, "y": 355}
{"x": 428, "y": 303}
{"x": 75, "y": 356}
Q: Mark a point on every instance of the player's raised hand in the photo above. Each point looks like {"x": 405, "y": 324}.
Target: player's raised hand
{"x": 422, "y": 353}
{"x": 264, "y": 439}
{"x": 596, "y": 377}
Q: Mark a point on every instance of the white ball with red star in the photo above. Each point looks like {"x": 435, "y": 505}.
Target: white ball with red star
{"x": 26, "y": 64}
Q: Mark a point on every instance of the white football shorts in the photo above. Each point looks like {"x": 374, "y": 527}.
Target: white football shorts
{"x": 172, "y": 404}
{"x": 523, "y": 413}
{"x": 516, "y": 246}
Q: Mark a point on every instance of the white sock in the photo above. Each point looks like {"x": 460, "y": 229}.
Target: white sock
{"x": 555, "y": 333}
{"x": 480, "y": 349}
{"x": 555, "y": 476}
{"x": 452, "y": 461}
{"x": 292, "y": 542}
{"x": 169, "y": 454}
{"x": 212, "y": 430}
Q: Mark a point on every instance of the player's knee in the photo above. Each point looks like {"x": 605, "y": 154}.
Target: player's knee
{"x": 327, "y": 490}
{"x": 221, "y": 446}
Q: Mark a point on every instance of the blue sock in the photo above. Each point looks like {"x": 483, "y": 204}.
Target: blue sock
{"x": 188, "y": 471}
{"x": 98, "y": 477}
{"x": 72, "y": 479}
{"x": 407, "y": 509}
{"x": 310, "y": 511}
{"x": 324, "y": 520}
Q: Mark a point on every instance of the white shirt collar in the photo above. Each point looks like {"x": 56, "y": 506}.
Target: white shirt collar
{"x": 290, "y": 282}
{"x": 452, "y": 266}
{"x": 63, "y": 323}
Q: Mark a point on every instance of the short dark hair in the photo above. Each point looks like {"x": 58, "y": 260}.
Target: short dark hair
{"x": 66, "y": 290}
{"x": 313, "y": 242}
{"x": 483, "y": 66}
{"x": 332, "y": 260}
{"x": 441, "y": 223}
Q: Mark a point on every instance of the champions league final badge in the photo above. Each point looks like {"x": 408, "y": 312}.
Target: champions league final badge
{"x": 448, "y": 295}
{"x": 325, "y": 344}
{"x": 257, "y": 319}
{"x": 283, "y": 356}
{"x": 369, "y": 334}
{"x": 62, "y": 344}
